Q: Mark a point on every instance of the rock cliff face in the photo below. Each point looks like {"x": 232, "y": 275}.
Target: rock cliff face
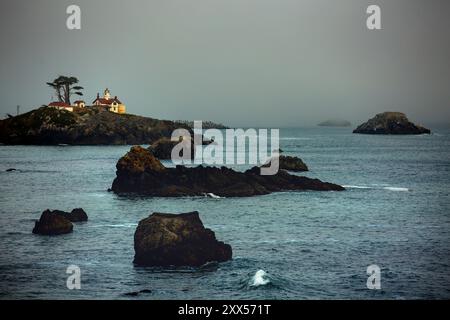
{"x": 86, "y": 126}
{"x": 390, "y": 123}
{"x": 177, "y": 240}
{"x": 141, "y": 173}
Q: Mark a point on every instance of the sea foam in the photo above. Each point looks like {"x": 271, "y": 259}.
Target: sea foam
{"x": 212, "y": 195}
{"x": 376, "y": 187}
{"x": 259, "y": 279}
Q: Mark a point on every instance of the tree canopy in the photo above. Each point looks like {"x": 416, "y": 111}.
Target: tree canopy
{"x": 65, "y": 87}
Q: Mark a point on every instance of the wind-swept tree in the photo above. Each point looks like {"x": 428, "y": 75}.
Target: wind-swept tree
{"x": 65, "y": 87}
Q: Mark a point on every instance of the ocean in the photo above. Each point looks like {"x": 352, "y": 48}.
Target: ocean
{"x": 395, "y": 214}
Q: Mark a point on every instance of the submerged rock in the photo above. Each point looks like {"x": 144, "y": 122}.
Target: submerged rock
{"x": 165, "y": 239}
{"x": 290, "y": 164}
{"x": 52, "y": 223}
{"x": 390, "y": 123}
{"x": 140, "y": 172}
{"x": 11, "y": 170}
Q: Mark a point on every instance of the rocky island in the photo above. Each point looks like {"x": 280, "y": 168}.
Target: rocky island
{"x": 390, "y": 123}
{"x": 84, "y": 126}
{"x": 165, "y": 239}
{"x": 140, "y": 172}
{"x": 58, "y": 222}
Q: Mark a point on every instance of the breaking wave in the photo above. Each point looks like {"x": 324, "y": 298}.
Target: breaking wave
{"x": 212, "y": 195}
{"x": 261, "y": 278}
{"x": 401, "y": 189}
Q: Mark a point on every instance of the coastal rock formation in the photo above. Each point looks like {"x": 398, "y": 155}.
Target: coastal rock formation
{"x": 76, "y": 215}
{"x": 83, "y": 126}
{"x": 162, "y": 148}
{"x": 141, "y": 173}
{"x": 335, "y": 123}
{"x": 290, "y": 164}
{"x": 390, "y": 123}
{"x": 177, "y": 240}
{"x": 52, "y": 223}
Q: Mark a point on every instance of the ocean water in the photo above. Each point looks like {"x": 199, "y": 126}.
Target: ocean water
{"x": 395, "y": 213}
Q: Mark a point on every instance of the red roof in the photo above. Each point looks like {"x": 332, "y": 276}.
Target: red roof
{"x": 59, "y": 104}
{"x": 104, "y": 101}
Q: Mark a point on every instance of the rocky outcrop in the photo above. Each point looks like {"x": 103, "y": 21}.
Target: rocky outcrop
{"x": 84, "y": 126}
{"x": 162, "y": 148}
{"x": 335, "y": 123}
{"x": 76, "y": 215}
{"x": 390, "y": 123}
{"x": 290, "y": 164}
{"x": 177, "y": 240}
{"x": 52, "y": 223}
{"x": 141, "y": 173}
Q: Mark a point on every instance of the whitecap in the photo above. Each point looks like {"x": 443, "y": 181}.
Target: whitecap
{"x": 212, "y": 195}
{"x": 379, "y": 187}
{"x": 357, "y": 187}
{"x": 396, "y": 189}
{"x": 259, "y": 279}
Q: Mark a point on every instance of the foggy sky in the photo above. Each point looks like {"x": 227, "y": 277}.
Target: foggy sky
{"x": 271, "y": 63}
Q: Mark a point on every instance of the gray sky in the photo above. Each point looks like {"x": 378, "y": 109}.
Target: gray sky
{"x": 241, "y": 62}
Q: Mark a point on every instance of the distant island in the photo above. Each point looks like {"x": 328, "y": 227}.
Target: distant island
{"x": 335, "y": 123}
{"x": 390, "y": 123}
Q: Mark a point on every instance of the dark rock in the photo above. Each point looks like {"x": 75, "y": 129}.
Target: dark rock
{"x": 52, "y": 223}
{"x": 177, "y": 240}
{"x": 390, "y": 123}
{"x": 162, "y": 148}
{"x": 139, "y": 160}
{"x": 77, "y": 215}
{"x": 140, "y": 172}
{"x": 11, "y": 169}
{"x": 290, "y": 164}
{"x": 335, "y": 123}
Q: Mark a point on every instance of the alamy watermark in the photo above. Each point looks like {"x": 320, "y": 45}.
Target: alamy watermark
{"x": 229, "y": 149}
{"x": 73, "y": 21}
{"x": 374, "y": 279}
{"x": 74, "y": 280}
